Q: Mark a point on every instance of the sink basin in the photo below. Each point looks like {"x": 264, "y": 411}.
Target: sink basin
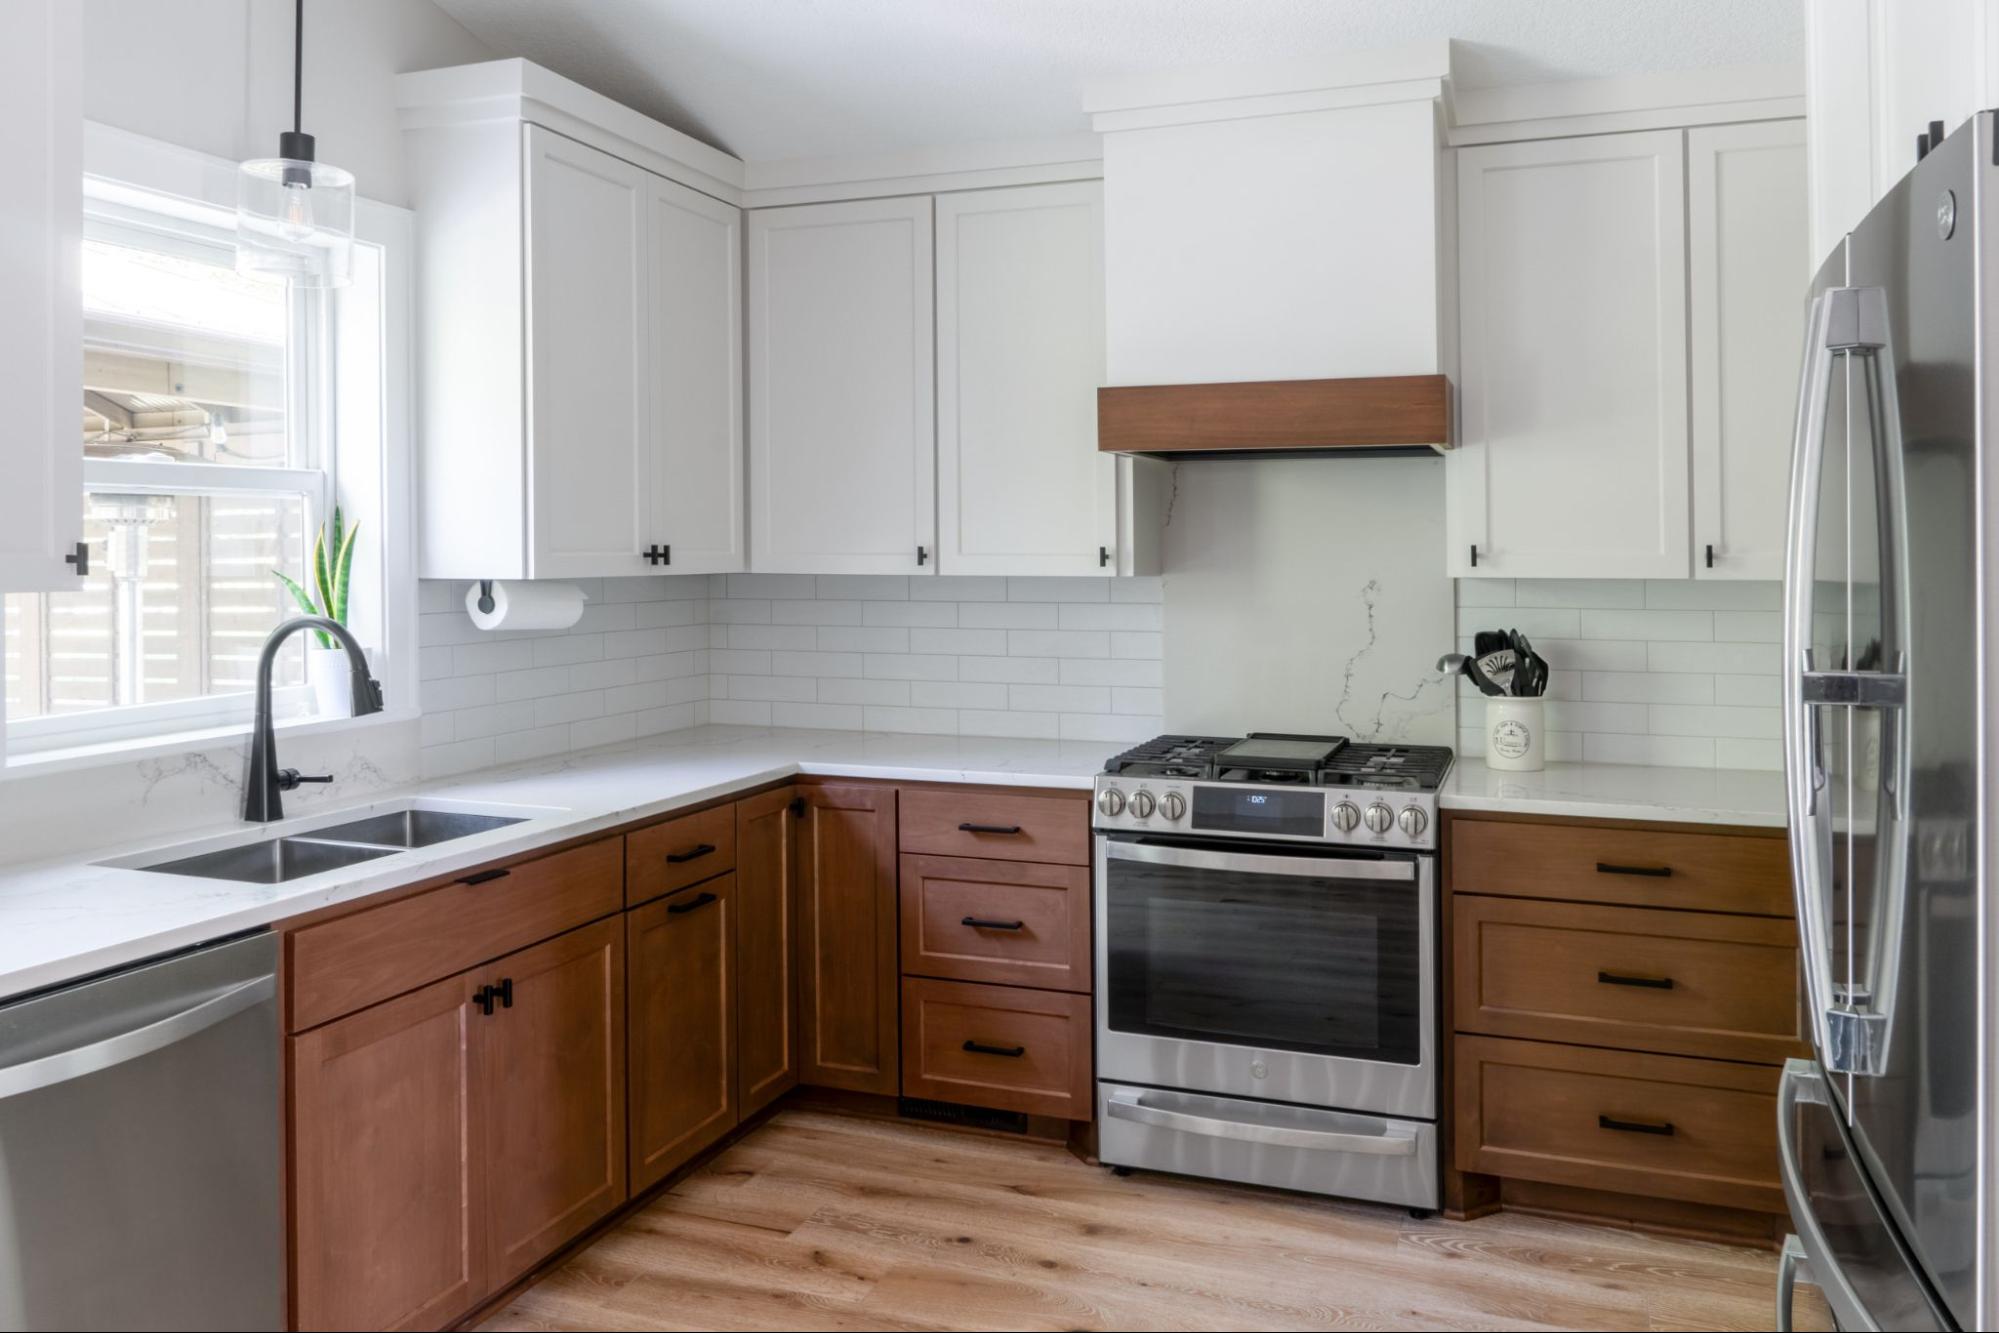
{"x": 272, "y": 861}
{"x": 413, "y": 828}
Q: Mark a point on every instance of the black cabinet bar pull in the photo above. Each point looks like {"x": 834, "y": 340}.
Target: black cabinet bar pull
{"x": 797, "y": 807}
{"x": 676, "y": 909}
{"x": 485, "y": 877}
{"x": 1710, "y": 555}
{"x": 1654, "y": 872}
{"x": 505, "y": 992}
{"x": 1103, "y": 556}
{"x": 980, "y": 1048}
{"x": 1007, "y": 829}
{"x": 1474, "y": 555}
{"x": 980, "y": 923}
{"x": 1633, "y": 1126}
{"x": 483, "y": 997}
{"x": 922, "y": 555}
{"x": 692, "y": 854}
{"x": 1653, "y": 983}
{"x": 80, "y": 558}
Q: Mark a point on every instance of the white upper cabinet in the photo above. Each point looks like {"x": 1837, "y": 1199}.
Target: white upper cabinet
{"x": 695, "y": 258}
{"x": 589, "y": 328}
{"x": 1572, "y": 461}
{"x": 1021, "y": 486}
{"x": 1749, "y": 266}
{"x": 842, "y": 392}
{"x": 41, "y": 316}
{"x": 580, "y": 353}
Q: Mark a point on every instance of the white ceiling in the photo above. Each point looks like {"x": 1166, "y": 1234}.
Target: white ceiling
{"x": 774, "y": 79}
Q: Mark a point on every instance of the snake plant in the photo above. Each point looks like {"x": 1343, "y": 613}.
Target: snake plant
{"x": 332, "y": 563}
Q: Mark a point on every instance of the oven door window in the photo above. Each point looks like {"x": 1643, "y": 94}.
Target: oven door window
{"x": 1307, "y": 959}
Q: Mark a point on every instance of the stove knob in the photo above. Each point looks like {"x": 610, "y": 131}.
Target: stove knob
{"x": 1413, "y": 821}
{"x": 1173, "y": 805}
{"x": 1379, "y": 818}
{"x": 1141, "y": 803}
{"x": 1110, "y": 801}
{"x": 1346, "y": 816}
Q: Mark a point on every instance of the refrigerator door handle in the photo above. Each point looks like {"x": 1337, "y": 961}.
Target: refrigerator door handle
{"x": 1803, "y": 1084}
{"x": 1792, "y": 1269}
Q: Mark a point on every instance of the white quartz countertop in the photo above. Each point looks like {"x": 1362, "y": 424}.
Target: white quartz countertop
{"x": 1622, "y": 791}
{"x": 68, "y": 918}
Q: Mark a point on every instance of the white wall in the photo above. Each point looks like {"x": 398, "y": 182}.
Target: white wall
{"x": 216, "y": 75}
{"x": 1309, "y": 595}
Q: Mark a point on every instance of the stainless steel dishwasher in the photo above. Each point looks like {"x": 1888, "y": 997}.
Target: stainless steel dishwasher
{"x": 140, "y": 1127}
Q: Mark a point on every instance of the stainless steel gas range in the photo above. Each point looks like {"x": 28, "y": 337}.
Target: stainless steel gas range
{"x": 1266, "y": 940}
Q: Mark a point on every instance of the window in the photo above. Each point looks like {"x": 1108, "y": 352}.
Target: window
{"x": 210, "y": 406}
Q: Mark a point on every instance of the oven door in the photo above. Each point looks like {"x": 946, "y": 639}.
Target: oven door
{"x": 1299, "y": 975}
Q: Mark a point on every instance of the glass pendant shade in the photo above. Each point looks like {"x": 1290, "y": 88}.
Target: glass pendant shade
{"x": 295, "y": 220}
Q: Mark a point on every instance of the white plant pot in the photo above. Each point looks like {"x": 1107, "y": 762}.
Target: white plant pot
{"x": 1513, "y": 734}
{"x": 332, "y": 682}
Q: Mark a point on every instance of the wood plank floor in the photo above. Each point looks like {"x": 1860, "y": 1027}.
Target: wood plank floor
{"x": 826, "y": 1221}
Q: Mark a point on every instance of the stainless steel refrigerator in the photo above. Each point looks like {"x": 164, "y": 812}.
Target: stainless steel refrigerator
{"x": 1891, "y": 700}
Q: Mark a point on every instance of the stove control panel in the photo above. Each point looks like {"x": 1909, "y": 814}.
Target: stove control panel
{"x": 1346, "y": 816}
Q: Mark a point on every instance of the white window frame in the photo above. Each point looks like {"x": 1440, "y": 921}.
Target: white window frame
{"x": 130, "y": 179}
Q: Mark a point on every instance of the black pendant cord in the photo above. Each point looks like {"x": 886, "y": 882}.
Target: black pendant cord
{"x": 298, "y": 67}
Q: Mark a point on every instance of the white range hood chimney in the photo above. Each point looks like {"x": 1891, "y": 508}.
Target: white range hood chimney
{"x": 1277, "y": 257}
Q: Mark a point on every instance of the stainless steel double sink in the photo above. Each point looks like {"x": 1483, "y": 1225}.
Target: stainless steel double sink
{"x": 311, "y": 851}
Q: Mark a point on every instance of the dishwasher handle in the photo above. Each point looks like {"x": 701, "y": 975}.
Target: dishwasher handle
{"x": 49, "y": 1070}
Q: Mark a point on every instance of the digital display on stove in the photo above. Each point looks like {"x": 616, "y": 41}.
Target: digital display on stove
{"x": 1258, "y": 810}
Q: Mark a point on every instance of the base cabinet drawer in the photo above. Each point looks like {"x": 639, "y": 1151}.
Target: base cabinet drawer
{"x": 998, "y": 1046}
{"x": 663, "y": 857}
{"x": 1708, "y": 872}
{"x": 996, "y": 826}
{"x": 1680, "y": 983}
{"x": 1008, "y": 922}
{"x": 1704, "y": 1131}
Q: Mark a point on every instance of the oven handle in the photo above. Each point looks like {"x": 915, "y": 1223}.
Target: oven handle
{"x": 1129, "y": 1104}
{"x": 1301, "y": 867}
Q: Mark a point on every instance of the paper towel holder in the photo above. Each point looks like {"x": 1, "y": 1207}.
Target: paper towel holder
{"x": 486, "y": 602}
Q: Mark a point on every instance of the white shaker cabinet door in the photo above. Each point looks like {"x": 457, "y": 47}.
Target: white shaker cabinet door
{"x": 589, "y": 361}
{"x": 41, "y": 314}
{"x": 1572, "y": 291}
{"x": 1021, "y": 486}
{"x": 1750, "y": 266}
{"x": 694, "y": 253}
{"x": 843, "y": 451}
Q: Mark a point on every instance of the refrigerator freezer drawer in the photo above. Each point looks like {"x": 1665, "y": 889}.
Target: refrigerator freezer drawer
{"x": 1264, "y": 1143}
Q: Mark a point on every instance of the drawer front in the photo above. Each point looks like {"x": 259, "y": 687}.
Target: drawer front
{"x": 997, "y": 1046}
{"x": 1010, "y": 922}
{"x": 1712, "y": 872}
{"x": 1700, "y": 1130}
{"x": 679, "y": 852}
{"x": 996, "y": 826}
{"x": 354, "y": 961}
{"x": 1681, "y": 983}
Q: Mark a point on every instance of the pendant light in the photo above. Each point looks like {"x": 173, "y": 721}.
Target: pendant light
{"x": 295, "y": 215}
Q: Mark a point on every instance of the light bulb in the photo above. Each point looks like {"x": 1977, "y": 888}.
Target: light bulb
{"x": 295, "y": 221}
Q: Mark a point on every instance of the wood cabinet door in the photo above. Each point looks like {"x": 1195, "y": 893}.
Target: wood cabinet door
{"x": 766, "y": 945}
{"x": 1748, "y": 261}
{"x": 589, "y": 361}
{"x": 682, "y": 1052}
{"x": 1021, "y": 486}
{"x": 1572, "y": 461}
{"x": 388, "y": 1165}
{"x": 847, "y": 992}
{"x": 694, "y": 258}
{"x": 551, "y": 1092}
{"x": 843, "y": 434}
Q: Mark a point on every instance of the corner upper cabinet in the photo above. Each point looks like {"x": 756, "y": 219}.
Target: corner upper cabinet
{"x": 1021, "y": 486}
{"x": 841, "y": 371}
{"x": 1750, "y": 263}
{"x": 1573, "y": 454}
{"x": 579, "y": 360}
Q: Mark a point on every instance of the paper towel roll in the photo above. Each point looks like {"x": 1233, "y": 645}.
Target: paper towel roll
{"x": 527, "y": 605}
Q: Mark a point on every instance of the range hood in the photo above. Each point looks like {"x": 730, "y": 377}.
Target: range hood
{"x": 1246, "y": 418}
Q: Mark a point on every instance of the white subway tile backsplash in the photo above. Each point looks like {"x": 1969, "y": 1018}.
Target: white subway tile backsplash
{"x": 1658, "y": 672}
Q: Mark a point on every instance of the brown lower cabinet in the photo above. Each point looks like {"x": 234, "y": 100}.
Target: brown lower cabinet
{"x": 847, "y": 968}
{"x": 447, "y": 1140}
{"x": 766, "y": 949}
{"x": 681, "y": 951}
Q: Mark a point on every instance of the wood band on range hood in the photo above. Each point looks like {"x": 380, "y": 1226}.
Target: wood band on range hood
{"x": 1392, "y": 411}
